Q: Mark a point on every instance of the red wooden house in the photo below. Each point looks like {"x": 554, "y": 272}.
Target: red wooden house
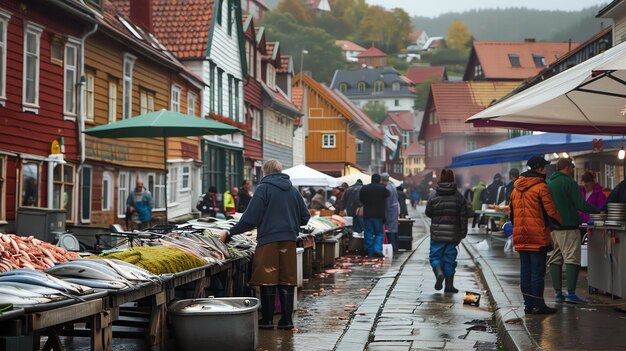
{"x": 38, "y": 107}
{"x": 445, "y": 133}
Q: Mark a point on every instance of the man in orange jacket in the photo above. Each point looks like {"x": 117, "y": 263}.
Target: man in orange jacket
{"x": 531, "y": 210}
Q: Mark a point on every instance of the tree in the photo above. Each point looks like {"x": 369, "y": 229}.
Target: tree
{"x": 335, "y": 26}
{"x": 354, "y": 14}
{"x": 388, "y": 29}
{"x": 323, "y": 58}
{"x": 296, "y": 8}
{"x": 377, "y": 112}
{"x": 458, "y": 35}
{"x": 401, "y": 24}
{"x": 373, "y": 27}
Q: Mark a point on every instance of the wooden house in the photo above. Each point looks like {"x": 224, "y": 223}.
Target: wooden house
{"x": 372, "y": 57}
{"x": 403, "y": 124}
{"x": 40, "y": 67}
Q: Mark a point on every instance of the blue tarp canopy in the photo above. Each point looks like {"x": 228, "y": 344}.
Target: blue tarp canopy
{"x": 526, "y": 146}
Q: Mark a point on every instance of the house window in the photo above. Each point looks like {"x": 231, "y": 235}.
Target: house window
{"x": 539, "y": 60}
{"x": 470, "y": 145}
{"x": 236, "y": 86}
{"x": 609, "y": 176}
{"x": 112, "y": 101}
{"x": 127, "y": 97}
{"x": 256, "y": 123}
{"x": 89, "y": 95}
{"x": 156, "y": 185}
{"x": 258, "y": 65}
{"x": 230, "y": 16}
{"x": 359, "y": 146}
{"x": 478, "y": 71}
{"x": 30, "y": 93}
{"x": 361, "y": 87}
{"x": 175, "y": 105}
{"x": 185, "y": 178}
{"x": 63, "y": 189}
{"x": 230, "y": 97}
{"x": 212, "y": 88}
{"x": 343, "y": 87}
{"x": 219, "y": 12}
{"x": 4, "y": 21}
{"x": 406, "y": 135}
{"x": 441, "y": 147}
{"x": 191, "y": 103}
{"x": 514, "y": 60}
{"x": 172, "y": 185}
{"x": 69, "y": 102}
{"x": 396, "y": 102}
{"x": 395, "y": 86}
{"x": 328, "y": 141}
{"x": 220, "y": 93}
{"x": 85, "y": 191}
{"x": 29, "y": 184}
{"x": 146, "y": 102}
{"x": 107, "y": 191}
{"x": 232, "y": 169}
{"x": 379, "y": 86}
{"x": 123, "y": 190}
{"x": 429, "y": 147}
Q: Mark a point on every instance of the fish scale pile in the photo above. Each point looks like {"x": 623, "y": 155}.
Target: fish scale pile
{"x": 28, "y": 252}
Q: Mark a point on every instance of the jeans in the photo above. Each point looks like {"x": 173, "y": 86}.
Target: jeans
{"x": 357, "y": 224}
{"x": 373, "y": 237}
{"x": 392, "y": 238}
{"x": 532, "y": 277}
{"x": 443, "y": 254}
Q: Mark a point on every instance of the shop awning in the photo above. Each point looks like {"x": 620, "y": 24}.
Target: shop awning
{"x": 524, "y": 147}
{"x": 302, "y": 175}
{"x": 587, "y": 98}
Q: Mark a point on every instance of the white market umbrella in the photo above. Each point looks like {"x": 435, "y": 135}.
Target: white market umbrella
{"x": 365, "y": 178}
{"x": 302, "y": 175}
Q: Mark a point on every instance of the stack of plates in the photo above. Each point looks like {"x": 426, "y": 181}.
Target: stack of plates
{"x": 616, "y": 214}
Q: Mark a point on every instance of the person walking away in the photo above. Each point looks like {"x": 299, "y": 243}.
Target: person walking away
{"x": 277, "y": 211}
{"x": 566, "y": 236}
{"x": 208, "y": 203}
{"x": 244, "y": 196}
{"x": 372, "y": 197}
{"x": 448, "y": 211}
{"x": 230, "y": 200}
{"x": 530, "y": 210}
{"x": 476, "y": 202}
{"x": 140, "y": 201}
{"x": 318, "y": 202}
{"x": 392, "y": 211}
{"x": 468, "y": 193}
{"x": 513, "y": 175}
{"x": 496, "y": 191}
{"x": 592, "y": 193}
{"x": 352, "y": 205}
{"x": 415, "y": 197}
{"x": 404, "y": 211}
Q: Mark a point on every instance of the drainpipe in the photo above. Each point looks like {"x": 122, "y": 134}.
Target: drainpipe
{"x": 81, "y": 118}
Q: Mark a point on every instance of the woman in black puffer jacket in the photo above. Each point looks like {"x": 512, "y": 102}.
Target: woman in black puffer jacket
{"x": 448, "y": 211}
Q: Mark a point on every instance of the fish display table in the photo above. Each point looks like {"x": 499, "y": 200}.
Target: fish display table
{"x": 606, "y": 250}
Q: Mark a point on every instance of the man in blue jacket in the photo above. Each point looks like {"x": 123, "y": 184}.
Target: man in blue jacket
{"x": 373, "y": 197}
{"x": 277, "y": 211}
{"x": 140, "y": 201}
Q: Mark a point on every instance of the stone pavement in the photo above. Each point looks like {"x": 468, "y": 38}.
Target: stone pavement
{"x": 404, "y": 312}
{"x": 596, "y": 326}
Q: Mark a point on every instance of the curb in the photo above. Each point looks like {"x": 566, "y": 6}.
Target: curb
{"x": 514, "y": 336}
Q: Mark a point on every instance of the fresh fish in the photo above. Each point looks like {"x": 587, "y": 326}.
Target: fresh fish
{"x": 79, "y": 270}
{"x": 46, "y": 280}
{"x": 93, "y": 263}
{"x": 98, "y": 284}
{"x": 42, "y": 290}
{"x": 21, "y": 271}
{"x": 22, "y": 301}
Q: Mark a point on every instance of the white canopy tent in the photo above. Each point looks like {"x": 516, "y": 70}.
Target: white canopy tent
{"x": 302, "y": 175}
{"x": 365, "y": 178}
{"x": 587, "y": 98}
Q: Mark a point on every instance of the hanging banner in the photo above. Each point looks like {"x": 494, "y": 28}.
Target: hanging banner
{"x": 391, "y": 141}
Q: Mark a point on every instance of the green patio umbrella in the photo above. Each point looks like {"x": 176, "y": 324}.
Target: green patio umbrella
{"x": 162, "y": 124}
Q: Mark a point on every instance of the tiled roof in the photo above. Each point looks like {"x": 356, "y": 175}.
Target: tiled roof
{"x": 347, "y": 45}
{"x": 285, "y": 64}
{"x": 297, "y": 96}
{"x": 494, "y": 57}
{"x": 414, "y": 149}
{"x": 369, "y": 76}
{"x": 419, "y": 75}
{"x": 414, "y": 36}
{"x": 403, "y": 119}
{"x": 279, "y": 98}
{"x": 456, "y": 102}
{"x": 372, "y": 52}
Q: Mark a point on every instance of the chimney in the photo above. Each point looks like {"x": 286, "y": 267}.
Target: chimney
{"x": 141, "y": 13}
{"x": 530, "y": 40}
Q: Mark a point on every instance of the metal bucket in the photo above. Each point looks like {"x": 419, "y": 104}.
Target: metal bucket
{"x": 215, "y": 324}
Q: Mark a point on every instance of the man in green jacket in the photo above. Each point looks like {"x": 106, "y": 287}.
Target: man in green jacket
{"x": 566, "y": 237}
{"x": 476, "y": 203}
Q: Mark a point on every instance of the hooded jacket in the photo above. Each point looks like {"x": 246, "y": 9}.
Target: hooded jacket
{"x": 476, "y": 203}
{"x": 350, "y": 200}
{"x": 373, "y": 197}
{"x": 496, "y": 192}
{"x": 448, "y": 211}
{"x": 277, "y": 211}
{"x": 568, "y": 200}
{"x": 531, "y": 209}
{"x": 597, "y": 199}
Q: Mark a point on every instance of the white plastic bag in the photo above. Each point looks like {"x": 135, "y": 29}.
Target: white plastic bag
{"x": 483, "y": 245}
{"x": 508, "y": 246}
{"x": 388, "y": 251}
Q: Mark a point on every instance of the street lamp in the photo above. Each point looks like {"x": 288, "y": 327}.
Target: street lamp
{"x": 302, "y": 53}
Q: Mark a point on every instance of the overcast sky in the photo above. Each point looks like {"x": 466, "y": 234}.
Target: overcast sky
{"x": 434, "y": 8}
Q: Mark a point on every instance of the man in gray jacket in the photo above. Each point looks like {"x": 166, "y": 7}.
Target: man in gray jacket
{"x": 392, "y": 211}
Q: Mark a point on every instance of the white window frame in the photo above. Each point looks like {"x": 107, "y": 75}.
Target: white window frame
{"x": 406, "y": 139}
{"x": 5, "y": 17}
{"x": 36, "y": 30}
{"x": 143, "y": 103}
{"x": 256, "y": 124}
{"x": 127, "y": 85}
{"x": 90, "y": 85}
{"x": 107, "y": 192}
{"x": 329, "y": 141}
{"x": 609, "y": 176}
{"x": 191, "y": 103}
{"x": 157, "y": 190}
{"x": 150, "y": 102}
{"x": 359, "y": 146}
{"x": 175, "y": 98}
{"x": 112, "y": 101}
{"x": 185, "y": 176}
{"x": 123, "y": 190}
{"x": 69, "y": 109}
{"x": 172, "y": 184}
{"x": 470, "y": 145}
{"x": 395, "y": 86}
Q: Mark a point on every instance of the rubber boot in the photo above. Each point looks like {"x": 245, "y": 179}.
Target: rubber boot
{"x": 285, "y": 293}
{"x": 450, "y": 285}
{"x": 438, "y": 269}
{"x": 268, "y": 299}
